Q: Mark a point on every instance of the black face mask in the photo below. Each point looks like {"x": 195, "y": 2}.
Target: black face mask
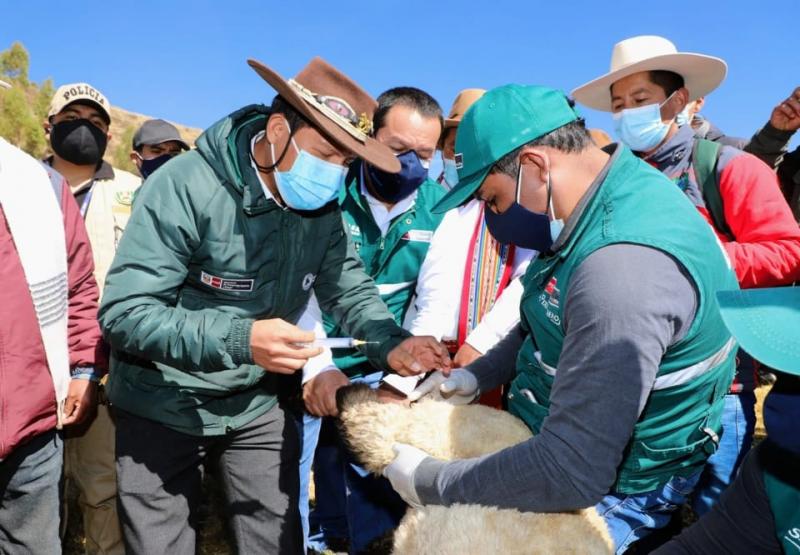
{"x": 149, "y": 166}
{"x": 78, "y": 141}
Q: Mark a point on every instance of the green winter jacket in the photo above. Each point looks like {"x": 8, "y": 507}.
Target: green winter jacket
{"x": 204, "y": 255}
{"x": 393, "y": 260}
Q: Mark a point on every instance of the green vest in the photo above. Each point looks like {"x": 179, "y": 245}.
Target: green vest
{"x": 782, "y": 487}
{"x": 680, "y": 424}
{"x": 393, "y": 260}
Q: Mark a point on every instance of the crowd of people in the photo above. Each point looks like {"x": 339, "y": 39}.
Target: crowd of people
{"x": 163, "y": 325}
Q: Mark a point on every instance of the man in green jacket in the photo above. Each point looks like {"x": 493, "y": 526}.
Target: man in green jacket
{"x": 621, "y": 362}
{"x": 391, "y": 222}
{"x": 223, "y": 250}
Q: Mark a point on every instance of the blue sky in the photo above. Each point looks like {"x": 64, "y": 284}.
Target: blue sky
{"x": 185, "y": 61}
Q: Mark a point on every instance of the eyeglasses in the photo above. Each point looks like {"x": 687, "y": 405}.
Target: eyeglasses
{"x": 338, "y": 110}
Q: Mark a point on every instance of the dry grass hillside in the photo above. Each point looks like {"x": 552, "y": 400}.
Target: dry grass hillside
{"x": 123, "y": 125}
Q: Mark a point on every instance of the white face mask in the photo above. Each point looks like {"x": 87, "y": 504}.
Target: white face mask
{"x": 642, "y": 128}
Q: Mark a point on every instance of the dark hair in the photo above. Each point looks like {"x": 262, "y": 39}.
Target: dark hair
{"x": 412, "y": 97}
{"x": 669, "y": 81}
{"x": 572, "y": 137}
{"x": 296, "y": 119}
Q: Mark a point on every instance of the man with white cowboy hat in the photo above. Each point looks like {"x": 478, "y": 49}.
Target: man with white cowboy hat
{"x": 649, "y": 84}
{"x": 220, "y": 258}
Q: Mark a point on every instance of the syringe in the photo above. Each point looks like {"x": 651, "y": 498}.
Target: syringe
{"x": 337, "y": 343}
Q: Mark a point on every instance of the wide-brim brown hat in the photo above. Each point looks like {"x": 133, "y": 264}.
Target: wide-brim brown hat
{"x": 336, "y": 106}
{"x": 701, "y": 74}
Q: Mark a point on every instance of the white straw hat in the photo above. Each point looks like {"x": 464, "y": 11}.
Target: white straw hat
{"x": 701, "y": 74}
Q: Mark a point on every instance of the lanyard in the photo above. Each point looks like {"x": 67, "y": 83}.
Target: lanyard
{"x": 86, "y": 200}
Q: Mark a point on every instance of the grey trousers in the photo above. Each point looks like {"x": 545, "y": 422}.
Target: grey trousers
{"x": 29, "y": 497}
{"x": 160, "y": 472}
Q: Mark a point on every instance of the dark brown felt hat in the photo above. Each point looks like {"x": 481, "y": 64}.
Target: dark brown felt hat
{"x": 340, "y": 109}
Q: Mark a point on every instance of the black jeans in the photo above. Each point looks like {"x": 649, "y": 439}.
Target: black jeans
{"x": 160, "y": 475}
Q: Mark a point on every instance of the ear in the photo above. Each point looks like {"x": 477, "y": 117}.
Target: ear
{"x": 536, "y": 160}
{"x": 135, "y": 159}
{"x": 277, "y": 129}
{"x": 682, "y": 96}
{"x": 46, "y": 125}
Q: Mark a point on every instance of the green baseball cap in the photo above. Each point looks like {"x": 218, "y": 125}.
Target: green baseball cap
{"x": 500, "y": 121}
{"x": 766, "y": 323}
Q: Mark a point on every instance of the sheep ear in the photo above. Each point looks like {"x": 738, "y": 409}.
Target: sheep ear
{"x": 354, "y": 394}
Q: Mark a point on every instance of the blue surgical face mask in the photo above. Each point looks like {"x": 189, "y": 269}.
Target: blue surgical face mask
{"x": 311, "y": 183}
{"x": 522, "y": 227}
{"x": 394, "y": 187}
{"x": 450, "y": 172}
{"x": 147, "y": 167}
{"x": 782, "y": 415}
{"x": 641, "y": 128}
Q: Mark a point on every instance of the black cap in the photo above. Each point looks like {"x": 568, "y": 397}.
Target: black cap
{"x": 155, "y": 132}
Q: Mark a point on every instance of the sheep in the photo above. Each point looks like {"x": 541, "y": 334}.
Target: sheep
{"x": 370, "y": 427}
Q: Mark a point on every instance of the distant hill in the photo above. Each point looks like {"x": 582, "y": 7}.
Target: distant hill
{"x": 123, "y": 126}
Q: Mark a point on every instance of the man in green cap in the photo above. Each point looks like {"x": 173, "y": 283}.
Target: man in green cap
{"x": 621, "y": 362}
{"x": 760, "y": 511}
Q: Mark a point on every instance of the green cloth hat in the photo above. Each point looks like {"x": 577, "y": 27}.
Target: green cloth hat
{"x": 501, "y": 121}
{"x": 766, "y": 323}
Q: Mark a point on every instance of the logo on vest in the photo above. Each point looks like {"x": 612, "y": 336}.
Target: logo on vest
{"x": 418, "y": 235}
{"x": 550, "y": 301}
{"x": 553, "y": 292}
{"x": 355, "y": 231}
{"x": 124, "y": 198}
{"x": 308, "y": 281}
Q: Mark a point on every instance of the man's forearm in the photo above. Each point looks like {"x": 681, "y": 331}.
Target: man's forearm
{"x": 498, "y": 366}
{"x": 769, "y": 144}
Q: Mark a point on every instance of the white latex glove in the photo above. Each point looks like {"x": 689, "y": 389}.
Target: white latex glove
{"x": 460, "y": 388}
{"x": 400, "y": 471}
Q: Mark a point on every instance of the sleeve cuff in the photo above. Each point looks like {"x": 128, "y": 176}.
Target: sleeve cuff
{"x": 425, "y": 481}
{"x": 776, "y": 134}
{"x": 85, "y": 373}
{"x": 482, "y": 338}
{"x": 380, "y": 353}
{"x": 311, "y": 373}
{"x": 237, "y": 344}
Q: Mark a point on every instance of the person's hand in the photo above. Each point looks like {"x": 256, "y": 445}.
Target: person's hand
{"x": 459, "y": 388}
{"x": 786, "y": 115}
{"x": 275, "y": 346}
{"x": 466, "y": 355}
{"x": 319, "y": 393}
{"x": 417, "y": 355}
{"x": 400, "y": 472}
{"x": 81, "y": 401}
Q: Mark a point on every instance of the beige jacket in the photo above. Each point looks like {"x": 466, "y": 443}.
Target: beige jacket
{"x": 107, "y": 214}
